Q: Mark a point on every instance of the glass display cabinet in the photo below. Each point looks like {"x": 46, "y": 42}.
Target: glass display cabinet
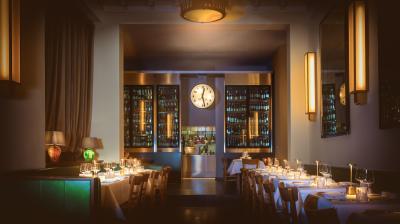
{"x": 248, "y": 117}
{"x": 168, "y": 137}
{"x": 138, "y": 118}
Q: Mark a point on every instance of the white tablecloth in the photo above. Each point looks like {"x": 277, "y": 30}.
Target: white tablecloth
{"x": 346, "y": 208}
{"x": 113, "y": 195}
{"x": 236, "y": 165}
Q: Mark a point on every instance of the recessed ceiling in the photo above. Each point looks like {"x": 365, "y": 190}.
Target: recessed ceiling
{"x": 200, "y": 47}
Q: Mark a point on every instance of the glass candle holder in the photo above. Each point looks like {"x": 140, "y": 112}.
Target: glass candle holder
{"x": 362, "y": 194}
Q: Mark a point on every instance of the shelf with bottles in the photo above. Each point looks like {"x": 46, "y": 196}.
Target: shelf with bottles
{"x": 138, "y": 116}
{"x": 329, "y": 121}
{"x": 198, "y": 140}
{"x": 168, "y": 116}
{"x": 247, "y": 121}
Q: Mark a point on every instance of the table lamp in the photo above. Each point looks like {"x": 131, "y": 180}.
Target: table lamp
{"x": 54, "y": 139}
{"x": 91, "y": 144}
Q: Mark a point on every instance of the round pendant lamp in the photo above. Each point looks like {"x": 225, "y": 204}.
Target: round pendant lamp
{"x": 203, "y": 11}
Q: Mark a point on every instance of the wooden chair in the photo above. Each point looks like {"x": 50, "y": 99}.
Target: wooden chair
{"x": 260, "y": 194}
{"x": 151, "y": 185}
{"x": 244, "y": 188}
{"x": 145, "y": 177}
{"x": 135, "y": 192}
{"x": 315, "y": 215}
{"x": 252, "y": 190}
{"x": 161, "y": 184}
{"x": 269, "y": 189}
{"x": 229, "y": 178}
{"x": 289, "y": 196}
{"x": 250, "y": 163}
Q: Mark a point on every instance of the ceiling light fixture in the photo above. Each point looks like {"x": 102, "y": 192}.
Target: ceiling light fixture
{"x": 203, "y": 11}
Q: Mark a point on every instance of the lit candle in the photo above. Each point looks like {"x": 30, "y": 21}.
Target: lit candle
{"x": 317, "y": 162}
{"x": 351, "y": 172}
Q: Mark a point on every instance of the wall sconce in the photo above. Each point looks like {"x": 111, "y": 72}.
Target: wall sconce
{"x": 310, "y": 72}
{"x": 142, "y": 115}
{"x": 10, "y": 40}
{"x": 169, "y": 125}
{"x": 358, "y": 55}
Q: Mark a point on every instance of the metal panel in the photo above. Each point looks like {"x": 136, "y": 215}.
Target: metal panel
{"x": 200, "y": 166}
{"x": 253, "y": 78}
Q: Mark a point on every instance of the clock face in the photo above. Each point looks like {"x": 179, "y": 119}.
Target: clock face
{"x": 202, "y": 96}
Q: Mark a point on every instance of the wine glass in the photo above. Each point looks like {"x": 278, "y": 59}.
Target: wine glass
{"x": 82, "y": 168}
{"x": 113, "y": 165}
{"x": 95, "y": 168}
{"x": 276, "y": 162}
{"x": 269, "y": 161}
{"x": 365, "y": 177}
{"x": 300, "y": 166}
{"x": 286, "y": 164}
{"x": 325, "y": 170}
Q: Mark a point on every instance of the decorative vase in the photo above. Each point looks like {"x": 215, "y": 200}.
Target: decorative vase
{"x": 54, "y": 153}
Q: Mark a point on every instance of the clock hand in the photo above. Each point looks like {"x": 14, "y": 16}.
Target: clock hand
{"x": 202, "y": 96}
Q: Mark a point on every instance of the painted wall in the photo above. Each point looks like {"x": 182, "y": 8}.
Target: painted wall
{"x": 22, "y": 113}
{"x": 280, "y": 103}
{"x": 192, "y": 115}
{"x": 107, "y": 89}
{"x": 367, "y": 145}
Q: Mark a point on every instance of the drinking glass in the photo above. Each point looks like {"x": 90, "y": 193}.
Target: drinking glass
{"x": 286, "y": 164}
{"x": 276, "y": 162}
{"x": 95, "y": 168}
{"x": 113, "y": 165}
{"x": 325, "y": 170}
{"x": 82, "y": 168}
{"x": 365, "y": 177}
{"x": 300, "y": 166}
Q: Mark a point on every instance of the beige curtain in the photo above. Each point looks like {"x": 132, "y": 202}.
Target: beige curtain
{"x": 69, "y": 55}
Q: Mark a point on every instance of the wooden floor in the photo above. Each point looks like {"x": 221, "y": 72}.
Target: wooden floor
{"x": 196, "y": 201}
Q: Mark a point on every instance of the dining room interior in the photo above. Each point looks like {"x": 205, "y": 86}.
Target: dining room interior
{"x": 199, "y": 111}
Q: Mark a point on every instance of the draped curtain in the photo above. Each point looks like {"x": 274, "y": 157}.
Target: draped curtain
{"x": 69, "y": 56}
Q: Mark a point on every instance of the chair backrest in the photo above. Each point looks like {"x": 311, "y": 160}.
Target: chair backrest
{"x": 252, "y": 188}
{"x": 269, "y": 189}
{"x": 289, "y": 196}
{"x": 260, "y": 191}
{"x": 225, "y": 163}
{"x": 250, "y": 163}
{"x": 136, "y": 184}
{"x": 244, "y": 188}
{"x": 315, "y": 215}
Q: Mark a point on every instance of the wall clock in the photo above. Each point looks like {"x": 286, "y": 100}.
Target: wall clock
{"x": 202, "y": 96}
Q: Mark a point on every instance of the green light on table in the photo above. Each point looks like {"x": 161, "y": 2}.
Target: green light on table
{"x": 89, "y": 154}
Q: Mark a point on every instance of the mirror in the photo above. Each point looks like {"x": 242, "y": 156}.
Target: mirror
{"x": 335, "y": 98}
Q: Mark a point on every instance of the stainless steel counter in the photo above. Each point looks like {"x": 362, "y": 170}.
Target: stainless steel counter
{"x": 200, "y": 166}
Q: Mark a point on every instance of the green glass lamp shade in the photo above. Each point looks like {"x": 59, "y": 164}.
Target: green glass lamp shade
{"x": 89, "y": 154}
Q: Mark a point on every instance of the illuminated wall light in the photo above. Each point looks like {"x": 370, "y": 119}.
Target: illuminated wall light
{"x": 358, "y": 72}
{"x": 253, "y": 122}
{"x": 142, "y": 115}
{"x": 10, "y": 40}
{"x": 169, "y": 125}
{"x": 310, "y": 68}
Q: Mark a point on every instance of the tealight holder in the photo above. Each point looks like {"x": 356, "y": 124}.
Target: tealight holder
{"x": 362, "y": 194}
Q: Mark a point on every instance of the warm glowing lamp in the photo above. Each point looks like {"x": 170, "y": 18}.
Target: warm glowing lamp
{"x": 310, "y": 68}
{"x": 10, "y": 40}
{"x": 142, "y": 115}
{"x": 54, "y": 139}
{"x": 169, "y": 125}
{"x": 91, "y": 144}
{"x": 358, "y": 69}
{"x": 203, "y": 11}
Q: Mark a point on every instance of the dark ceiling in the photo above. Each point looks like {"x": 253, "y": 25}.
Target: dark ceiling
{"x": 202, "y": 47}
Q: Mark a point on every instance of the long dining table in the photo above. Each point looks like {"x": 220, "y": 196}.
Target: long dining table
{"x": 333, "y": 194}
